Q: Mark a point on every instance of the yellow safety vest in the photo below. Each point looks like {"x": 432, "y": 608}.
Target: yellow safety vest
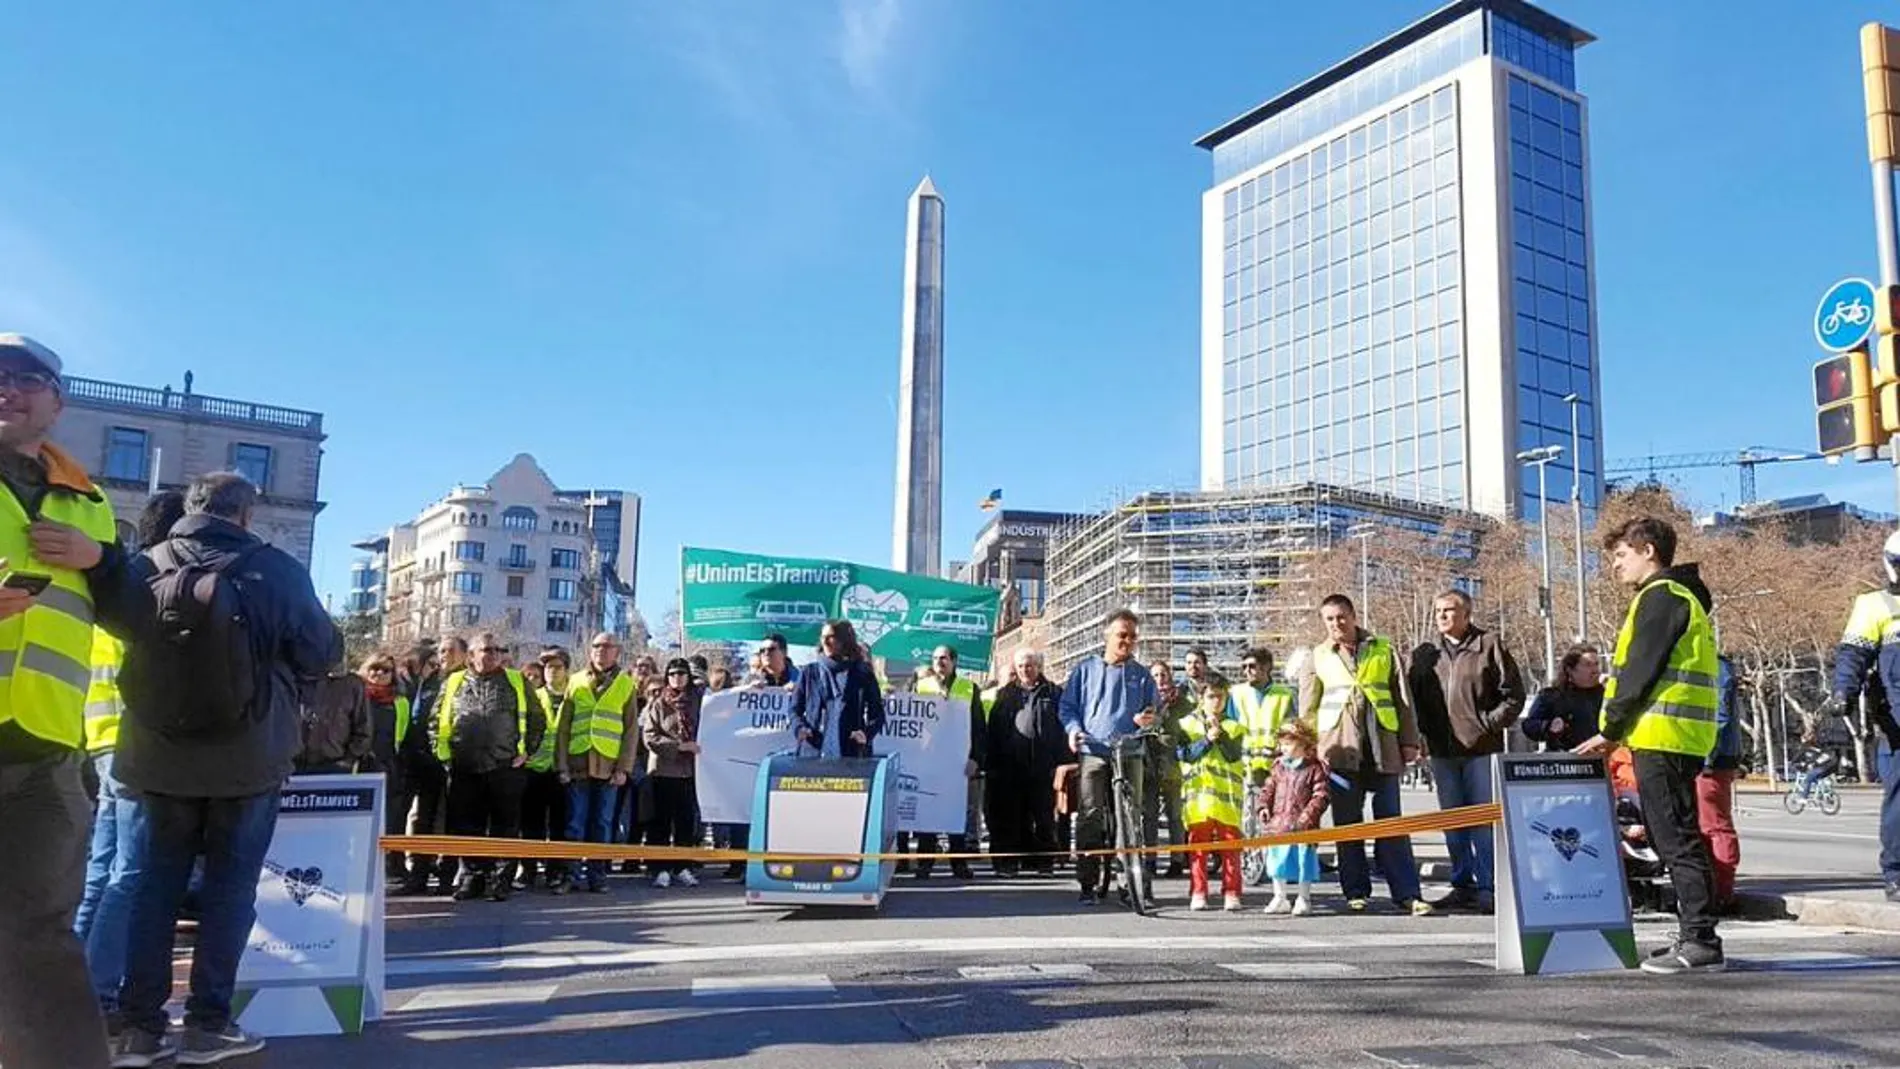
{"x": 1677, "y": 715}
{"x": 542, "y": 759}
{"x": 1213, "y": 787}
{"x": 596, "y": 722}
{"x": 103, "y": 706}
{"x": 402, "y": 720}
{"x": 1373, "y": 678}
{"x": 961, "y": 690}
{"x": 46, "y": 651}
{"x": 445, "y": 709}
{"x": 1263, "y": 713}
{"x": 1875, "y": 619}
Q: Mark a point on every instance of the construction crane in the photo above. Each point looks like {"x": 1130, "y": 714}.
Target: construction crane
{"x": 1743, "y": 459}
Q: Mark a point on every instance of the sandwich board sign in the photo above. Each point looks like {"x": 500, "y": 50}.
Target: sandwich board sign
{"x": 1562, "y": 902}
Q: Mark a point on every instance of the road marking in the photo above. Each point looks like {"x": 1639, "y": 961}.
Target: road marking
{"x": 461, "y": 998}
{"x": 1811, "y": 961}
{"x": 796, "y": 983}
{"x": 1613, "y": 1048}
{"x": 1293, "y": 970}
{"x": 1422, "y": 1057}
{"x": 434, "y": 965}
{"x": 1026, "y": 972}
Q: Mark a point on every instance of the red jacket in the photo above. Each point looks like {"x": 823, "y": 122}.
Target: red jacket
{"x": 1293, "y": 798}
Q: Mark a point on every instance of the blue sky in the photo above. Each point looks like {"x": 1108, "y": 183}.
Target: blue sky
{"x": 658, "y": 245}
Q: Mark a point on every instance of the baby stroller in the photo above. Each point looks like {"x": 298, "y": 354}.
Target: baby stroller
{"x": 1648, "y": 878}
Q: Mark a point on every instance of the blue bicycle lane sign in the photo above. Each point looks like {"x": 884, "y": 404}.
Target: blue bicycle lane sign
{"x": 1845, "y": 316}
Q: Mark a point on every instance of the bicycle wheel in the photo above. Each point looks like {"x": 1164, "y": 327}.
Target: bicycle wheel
{"x": 1829, "y": 800}
{"x": 1127, "y": 835}
{"x": 1253, "y": 863}
{"x": 1793, "y": 801}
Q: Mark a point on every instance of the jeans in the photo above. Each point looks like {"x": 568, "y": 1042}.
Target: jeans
{"x": 1095, "y": 823}
{"x": 1467, "y": 781}
{"x": 1889, "y": 763}
{"x": 101, "y": 920}
{"x": 484, "y": 804}
{"x": 590, "y": 819}
{"x": 1715, "y": 815}
{"x": 1666, "y": 783}
{"x": 49, "y": 1018}
{"x": 1349, "y": 793}
{"x": 168, "y": 834}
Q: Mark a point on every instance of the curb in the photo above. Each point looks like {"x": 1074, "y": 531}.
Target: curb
{"x": 1820, "y": 910}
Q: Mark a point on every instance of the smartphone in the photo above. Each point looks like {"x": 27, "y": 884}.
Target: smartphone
{"x": 32, "y": 584}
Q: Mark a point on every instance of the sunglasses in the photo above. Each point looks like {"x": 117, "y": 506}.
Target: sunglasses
{"x": 678, "y": 672}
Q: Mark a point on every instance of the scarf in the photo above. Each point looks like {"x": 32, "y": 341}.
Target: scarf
{"x": 381, "y": 693}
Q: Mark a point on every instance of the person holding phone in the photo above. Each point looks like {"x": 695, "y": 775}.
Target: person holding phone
{"x": 1107, "y": 696}
{"x": 61, "y": 571}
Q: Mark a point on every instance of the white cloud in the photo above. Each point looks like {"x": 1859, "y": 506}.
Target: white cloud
{"x": 866, "y": 32}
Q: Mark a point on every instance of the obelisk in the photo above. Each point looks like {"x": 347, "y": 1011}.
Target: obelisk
{"x": 917, "y": 533}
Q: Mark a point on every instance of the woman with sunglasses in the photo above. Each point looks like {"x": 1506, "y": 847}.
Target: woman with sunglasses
{"x": 838, "y": 707}
{"x": 389, "y": 720}
{"x": 670, "y": 726}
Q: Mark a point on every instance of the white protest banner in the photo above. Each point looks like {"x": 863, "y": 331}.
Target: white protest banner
{"x": 314, "y": 962}
{"x": 930, "y": 736}
{"x": 738, "y": 730}
{"x": 1562, "y": 904}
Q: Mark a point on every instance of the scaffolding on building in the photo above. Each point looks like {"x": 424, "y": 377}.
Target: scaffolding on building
{"x": 1222, "y": 570}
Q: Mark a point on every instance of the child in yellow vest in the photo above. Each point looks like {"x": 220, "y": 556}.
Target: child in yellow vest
{"x": 1213, "y": 788}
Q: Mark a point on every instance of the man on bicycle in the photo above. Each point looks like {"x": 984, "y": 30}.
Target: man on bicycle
{"x": 1107, "y": 697}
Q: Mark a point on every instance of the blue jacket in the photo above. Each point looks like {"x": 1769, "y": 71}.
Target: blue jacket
{"x": 1087, "y": 708}
{"x": 1729, "y": 746}
{"x": 816, "y": 709}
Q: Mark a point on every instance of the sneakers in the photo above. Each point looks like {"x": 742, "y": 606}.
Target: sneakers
{"x": 1197, "y": 903}
{"x": 1418, "y": 907}
{"x": 1278, "y": 905}
{"x": 1357, "y": 905}
{"x": 687, "y": 879}
{"x": 663, "y": 881}
{"x": 1460, "y": 898}
{"x": 135, "y": 1048}
{"x": 1090, "y": 898}
{"x": 201, "y": 1047}
{"x": 1302, "y": 906}
{"x": 1685, "y": 956}
{"x": 1231, "y": 903}
{"x": 1893, "y": 892}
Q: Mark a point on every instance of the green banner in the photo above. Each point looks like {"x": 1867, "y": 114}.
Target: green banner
{"x": 741, "y": 597}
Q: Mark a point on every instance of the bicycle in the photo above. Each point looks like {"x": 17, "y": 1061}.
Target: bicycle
{"x": 1253, "y": 863}
{"x": 1122, "y": 751}
{"x": 1822, "y": 796}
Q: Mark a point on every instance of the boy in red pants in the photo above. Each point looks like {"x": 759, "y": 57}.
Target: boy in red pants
{"x": 1213, "y": 788}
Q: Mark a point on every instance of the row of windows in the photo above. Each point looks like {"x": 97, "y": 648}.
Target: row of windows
{"x": 1316, "y": 404}
{"x": 471, "y": 583}
{"x": 1526, "y": 48}
{"x": 1438, "y": 418}
{"x": 514, "y": 518}
{"x": 517, "y": 555}
{"x": 1374, "y": 469}
{"x": 1405, "y": 70}
{"x": 471, "y": 615}
{"x": 129, "y": 454}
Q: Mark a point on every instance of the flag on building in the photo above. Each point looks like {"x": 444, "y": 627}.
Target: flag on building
{"x": 992, "y": 502}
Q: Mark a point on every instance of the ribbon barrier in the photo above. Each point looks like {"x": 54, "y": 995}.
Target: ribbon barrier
{"x": 1471, "y": 816}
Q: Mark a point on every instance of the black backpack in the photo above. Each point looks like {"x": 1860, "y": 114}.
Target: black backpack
{"x": 196, "y": 675}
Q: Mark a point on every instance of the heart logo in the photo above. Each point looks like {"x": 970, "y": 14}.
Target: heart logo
{"x": 302, "y": 883}
{"x": 1567, "y": 841}
{"x": 874, "y": 613}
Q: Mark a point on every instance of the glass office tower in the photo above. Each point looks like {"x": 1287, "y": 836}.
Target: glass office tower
{"x": 1397, "y": 292}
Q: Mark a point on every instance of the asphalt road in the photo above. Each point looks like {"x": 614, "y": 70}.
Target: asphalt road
{"x": 1015, "y": 975}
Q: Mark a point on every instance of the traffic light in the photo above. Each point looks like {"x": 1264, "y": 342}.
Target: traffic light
{"x": 1844, "y": 396}
{"x": 1886, "y": 361}
{"x": 1880, "y": 74}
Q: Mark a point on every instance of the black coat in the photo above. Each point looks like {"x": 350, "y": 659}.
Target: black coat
{"x": 1026, "y": 740}
{"x": 1578, "y": 710}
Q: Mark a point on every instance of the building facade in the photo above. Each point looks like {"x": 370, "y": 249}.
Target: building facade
{"x": 516, "y": 555}
{"x": 1397, "y": 281}
{"x": 135, "y": 438}
{"x": 1223, "y": 570}
{"x": 1009, "y": 555}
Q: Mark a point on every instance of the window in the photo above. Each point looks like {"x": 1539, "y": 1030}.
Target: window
{"x": 566, "y": 558}
{"x": 514, "y": 619}
{"x": 466, "y": 582}
{"x": 470, "y": 550}
{"x": 518, "y": 557}
{"x": 560, "y": 621}
{"x": 517, "y": 586}
{"x": 125, "y": 453}
{"x": 252, "y": 462}
{"x": 465, "y": 615}
{"x": 562, "y": 589}
{"x": 520, "y": 518}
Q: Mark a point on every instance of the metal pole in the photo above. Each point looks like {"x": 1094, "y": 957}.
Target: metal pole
{"x": 1576, "y": 516}
{"x": 1543, "y": 595}
{"x": 1888, "y": 242}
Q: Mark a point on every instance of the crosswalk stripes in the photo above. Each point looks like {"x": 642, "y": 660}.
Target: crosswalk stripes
{"x": 1026, "y": 972}
{"x": 750, "y": 986}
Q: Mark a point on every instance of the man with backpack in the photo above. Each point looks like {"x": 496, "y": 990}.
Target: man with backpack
{"x": 210, "y": 733}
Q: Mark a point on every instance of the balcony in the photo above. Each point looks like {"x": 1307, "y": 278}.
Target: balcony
{"x": 516, "y": 564}
{"x": 193, "y": 406}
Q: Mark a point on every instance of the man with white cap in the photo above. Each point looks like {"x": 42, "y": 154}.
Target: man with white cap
{"x": 61, "y": 571}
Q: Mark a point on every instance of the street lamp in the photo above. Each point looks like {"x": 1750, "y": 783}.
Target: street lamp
{"x": 1364, "y": 532}
{"x": 1576, "y": 512}
{"x": 1542, "y": 458}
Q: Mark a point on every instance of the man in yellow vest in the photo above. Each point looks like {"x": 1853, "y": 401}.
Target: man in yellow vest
{"x": 486, "y": 726}
{"x": 939, "y": 680}
{"x": 1662, "y": 703}
{"x": 63, "y": 569}
{"x": 1262, "y": 706}
{"x": 544, "y": 798}
{"x": 1351, "y": 690}
{"x": 594, "y": 750}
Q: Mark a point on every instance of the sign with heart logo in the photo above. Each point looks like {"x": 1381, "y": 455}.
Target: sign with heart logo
{"x": 1566, "y": 840}
{"x": 302, "y": 883}
{"x": 875, "y": 613}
